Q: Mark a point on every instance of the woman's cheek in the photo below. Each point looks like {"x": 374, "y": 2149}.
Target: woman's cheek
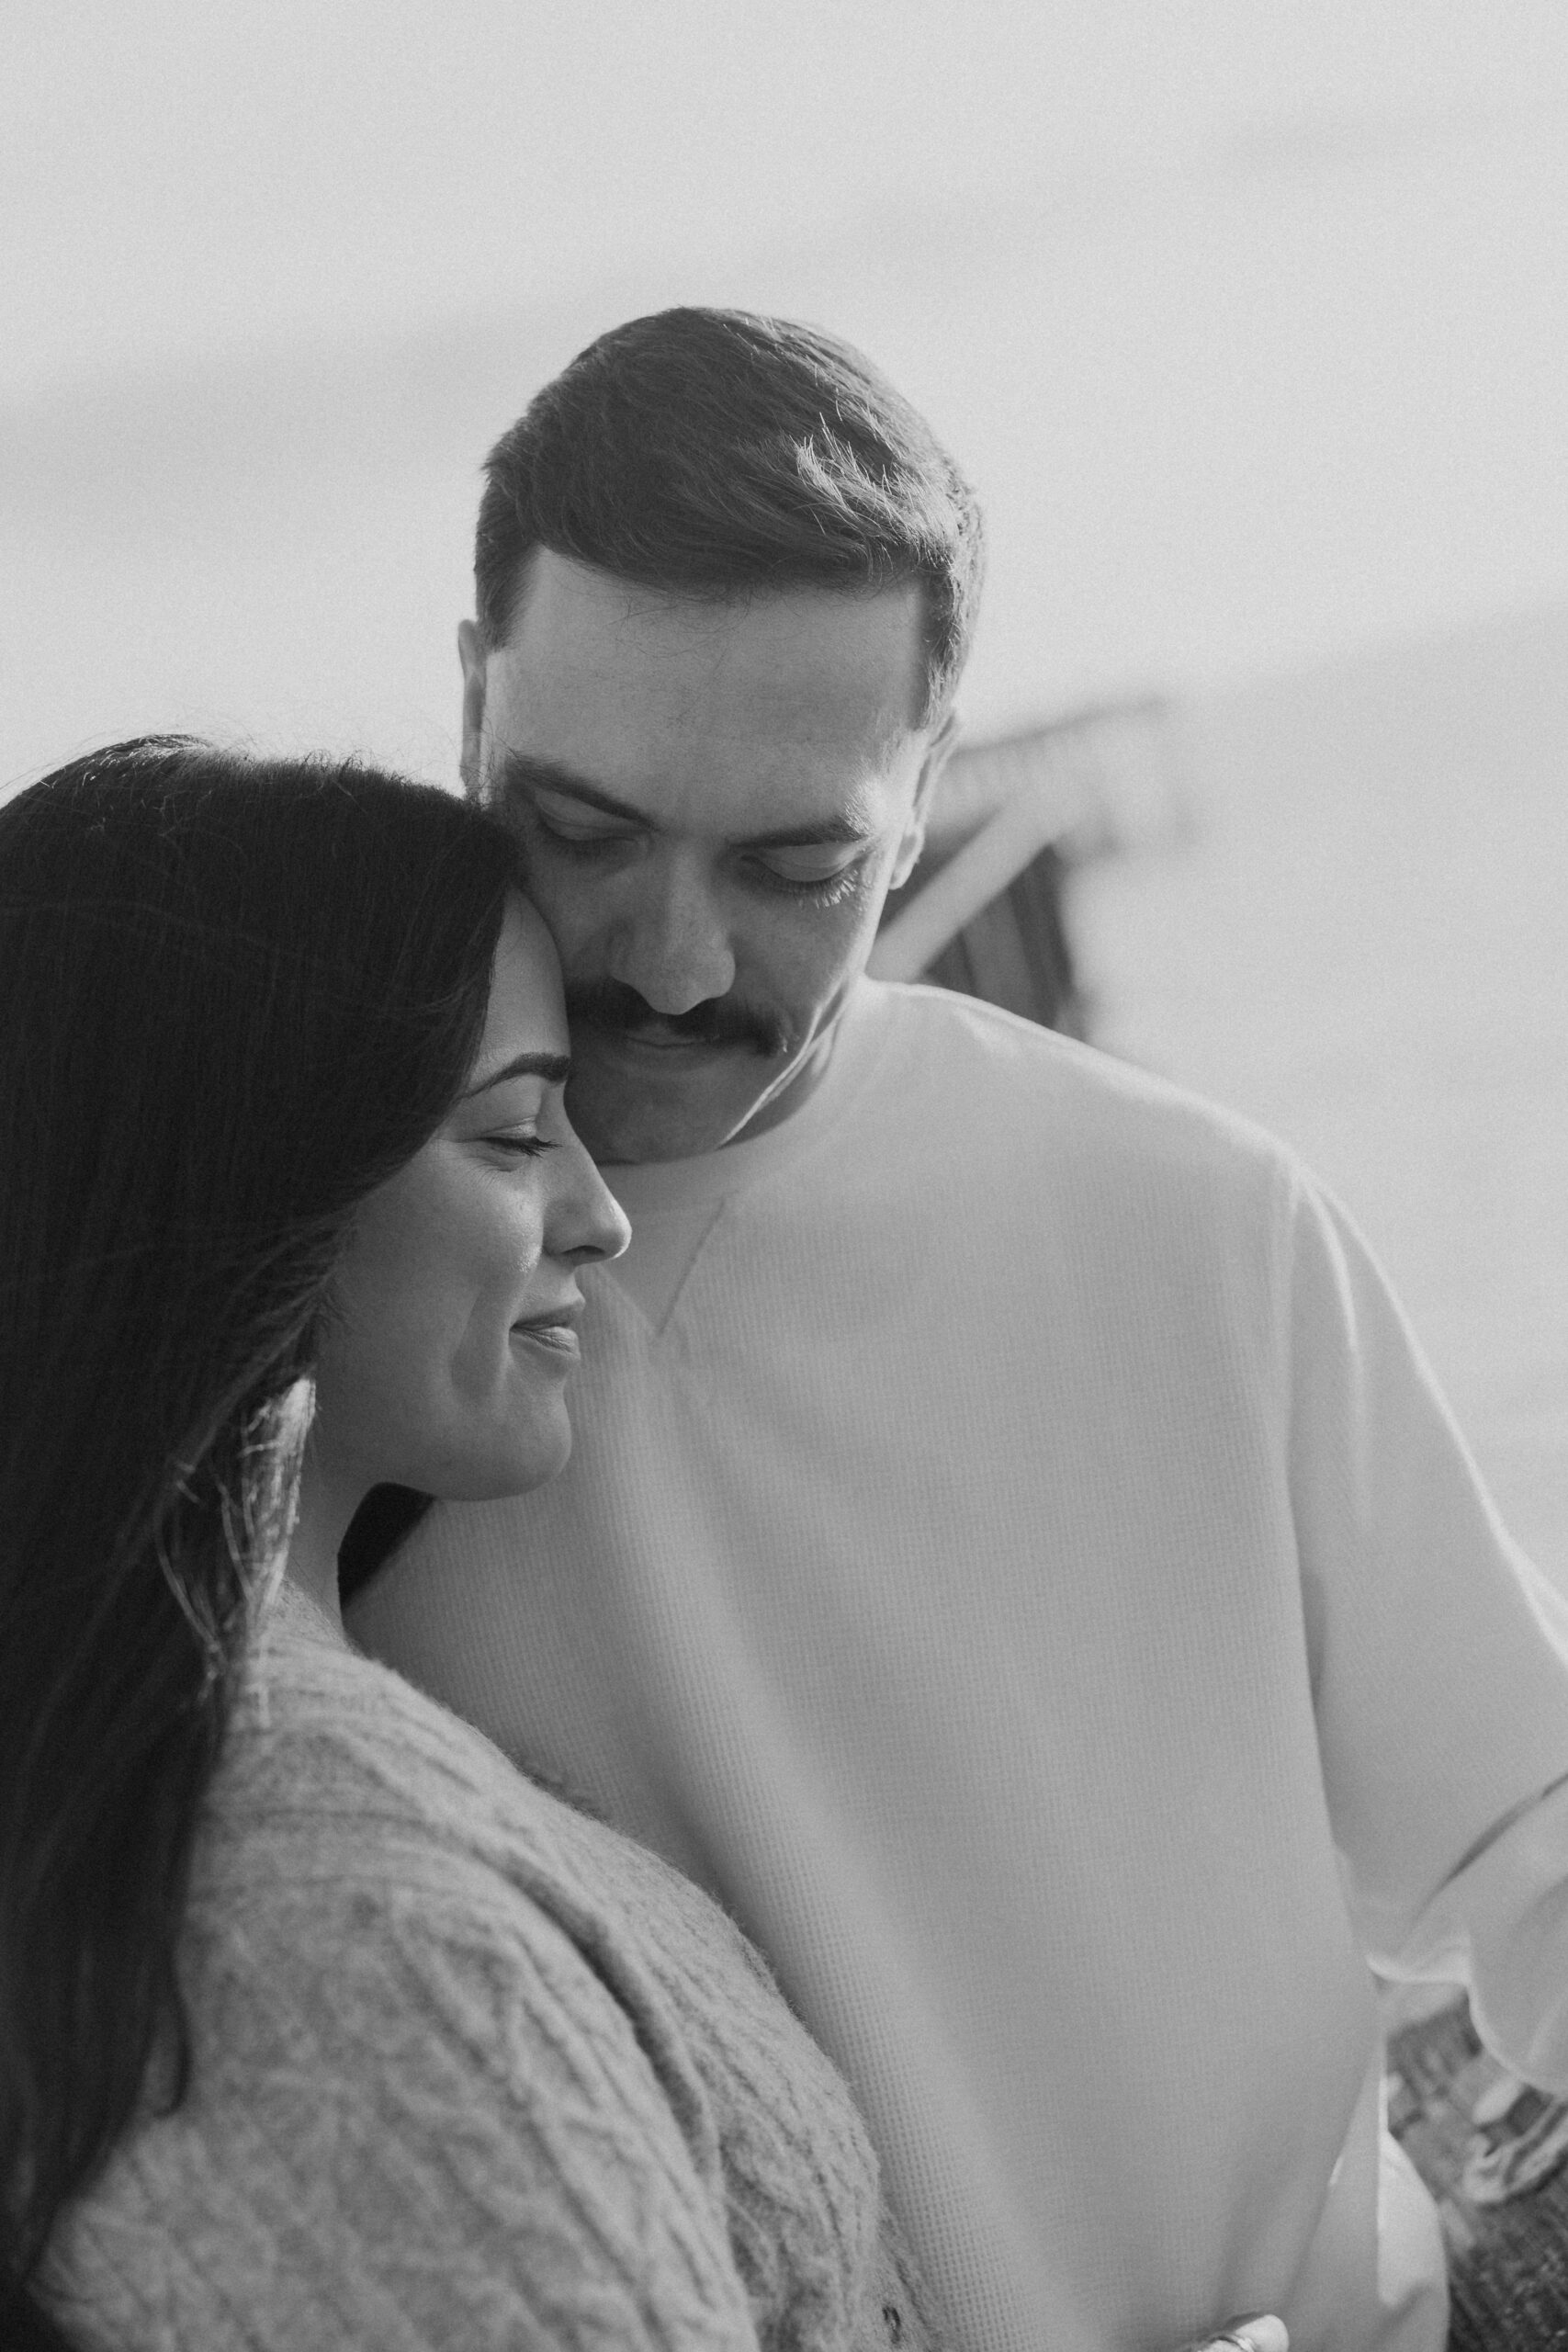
{"x": 495, "y": 1278}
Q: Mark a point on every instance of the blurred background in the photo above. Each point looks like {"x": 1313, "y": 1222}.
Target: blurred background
{"x": 1250, "y": 320}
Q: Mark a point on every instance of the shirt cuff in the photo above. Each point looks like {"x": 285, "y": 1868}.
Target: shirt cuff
{"x": 1500, "y": 1925}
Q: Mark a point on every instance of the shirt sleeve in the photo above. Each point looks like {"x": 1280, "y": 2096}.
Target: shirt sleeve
{"x": 417, "y": 2126}
{"x": 1439, "y": 1653}
{"x": 1500, "y": 1925}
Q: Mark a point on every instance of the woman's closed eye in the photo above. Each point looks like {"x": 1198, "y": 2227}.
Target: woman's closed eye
{"x": 523, "y": 1141}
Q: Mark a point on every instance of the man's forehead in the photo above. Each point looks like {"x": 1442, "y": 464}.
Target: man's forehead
{"x": 580, "y": 611}
{"x": 734, "y": 713}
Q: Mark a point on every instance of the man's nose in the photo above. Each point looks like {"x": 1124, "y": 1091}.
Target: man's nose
{"x": 672, "y": 945}
{"x": 584, "y": 1221}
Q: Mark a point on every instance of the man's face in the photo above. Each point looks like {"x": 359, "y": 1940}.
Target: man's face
{"x": 715, "y": 798}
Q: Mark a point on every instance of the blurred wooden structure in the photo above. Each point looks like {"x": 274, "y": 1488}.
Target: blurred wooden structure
{"x": 984, "y": 910}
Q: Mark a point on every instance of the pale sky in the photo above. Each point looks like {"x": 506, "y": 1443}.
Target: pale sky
{"x": 1249, "y": 319}
{"x": 181, "y": 177}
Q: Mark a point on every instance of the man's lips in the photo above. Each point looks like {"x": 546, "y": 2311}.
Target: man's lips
{"x": 626, "y": 1041}
{"x": 653, "y": 1043}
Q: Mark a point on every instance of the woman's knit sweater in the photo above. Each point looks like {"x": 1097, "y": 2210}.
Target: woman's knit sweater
{"x": 470, "y": 2069}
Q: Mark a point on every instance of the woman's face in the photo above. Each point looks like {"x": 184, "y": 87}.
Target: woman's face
{"x": 445, "y": 1362}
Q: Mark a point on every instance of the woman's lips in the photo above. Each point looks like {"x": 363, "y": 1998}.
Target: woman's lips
{"x": 556, "y": 1328}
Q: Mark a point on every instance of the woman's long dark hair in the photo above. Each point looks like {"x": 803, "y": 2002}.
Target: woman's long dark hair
{"x": 235, "y": 994}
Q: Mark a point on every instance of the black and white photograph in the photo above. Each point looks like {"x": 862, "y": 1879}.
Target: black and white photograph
{"x": 783, "y": 1176}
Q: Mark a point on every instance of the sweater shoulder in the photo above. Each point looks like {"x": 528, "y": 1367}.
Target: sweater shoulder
{"x": 359, "y": 1838}
{"x": 335, "y": 1763}
{"x": 479, "y": 2061}
{"x": 406, "y": 2119}
{"x": 361, "y": 1791}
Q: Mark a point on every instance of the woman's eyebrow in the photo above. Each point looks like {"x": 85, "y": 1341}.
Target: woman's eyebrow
{"x": 554, "y": 1069}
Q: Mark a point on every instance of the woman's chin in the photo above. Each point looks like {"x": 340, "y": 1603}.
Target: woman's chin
{"x": 514, "y": 1469}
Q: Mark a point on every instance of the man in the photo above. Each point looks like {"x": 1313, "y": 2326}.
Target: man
{"x": 1013, "y": 1553}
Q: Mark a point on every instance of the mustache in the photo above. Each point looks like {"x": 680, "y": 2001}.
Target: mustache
{"x": 719, "y": 1020}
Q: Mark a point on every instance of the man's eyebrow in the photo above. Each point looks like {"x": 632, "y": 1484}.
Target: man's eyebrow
{"x": 523, "y": 769}
{"x": 555, "y": 1069}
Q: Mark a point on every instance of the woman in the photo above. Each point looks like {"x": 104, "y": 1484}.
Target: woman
{"x": 319, "y": 2024}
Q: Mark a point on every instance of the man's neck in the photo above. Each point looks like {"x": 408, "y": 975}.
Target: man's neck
{"x": 802, "y": 1083}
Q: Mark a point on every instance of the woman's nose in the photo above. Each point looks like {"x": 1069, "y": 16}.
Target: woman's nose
{"x": 585, "y": 1222}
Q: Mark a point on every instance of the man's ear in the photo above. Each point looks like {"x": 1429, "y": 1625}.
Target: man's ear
{"x": 470, "y": 653}
{"x": 938, "y": 751}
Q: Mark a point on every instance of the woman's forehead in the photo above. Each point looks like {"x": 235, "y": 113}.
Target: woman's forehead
{"x": 526, "y": 1013}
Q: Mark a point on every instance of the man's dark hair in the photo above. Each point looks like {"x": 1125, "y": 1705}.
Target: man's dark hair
{"x": 713, "y": 452}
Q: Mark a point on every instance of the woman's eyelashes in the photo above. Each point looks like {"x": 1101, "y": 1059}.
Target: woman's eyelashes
{"x": 526, "y": 1147}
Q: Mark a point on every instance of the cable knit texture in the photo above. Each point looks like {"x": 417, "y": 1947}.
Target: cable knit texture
{"x": 471, "y": 2070}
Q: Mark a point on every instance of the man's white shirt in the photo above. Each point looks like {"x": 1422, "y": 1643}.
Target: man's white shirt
{"x": 1015, "y": 1556}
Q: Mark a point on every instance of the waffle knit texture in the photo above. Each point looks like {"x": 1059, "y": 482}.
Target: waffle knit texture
{"x": 1015, "y": 1554}
{"x": 471, "y": 2071}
